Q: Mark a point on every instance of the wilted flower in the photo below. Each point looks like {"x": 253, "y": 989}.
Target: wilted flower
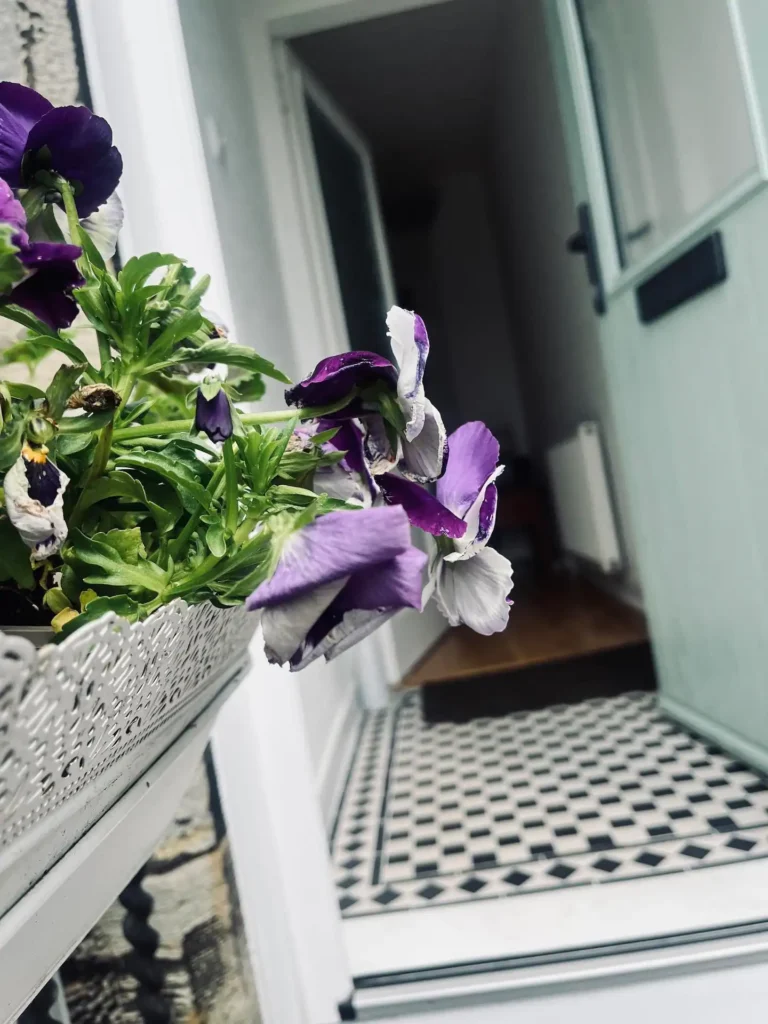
{"x": 472, "y": 581}
{"x": 95, "y": 398}
{"x": 34, "y": 499}
{"x": 213, "y": 415}
{"x": 338, "y": 579}
{"x": 69, "y": 141}
{"x": 50, "y": 271}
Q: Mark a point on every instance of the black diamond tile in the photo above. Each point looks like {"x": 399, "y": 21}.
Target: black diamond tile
{"x": 561, "y": 871}
{"x": 508, "y": 840}
{"x": 351, "y": 847}
{"x": 697, "y": 852}
{"x": 430, "y": 892}
{"x": 659, "y": 830}
{"x": 680, "y": 812}
{"x": 484, "y": 860}
{"x": 479, "y": 833}
{"x": 587, "y": 815}
{"x": 739, "y": 805}
{"x": 542, "y": 850}
{"x": 348, "y": 881}
{"x": 427, "y": 868}
{"x": 622, "y": 822}
{"x": 451, "y": 851}
{"x": 473, "y": 885}
{"x": 607, "y": 865}
{"x": 534, "y": 823}
{"x": 600, "y": 843}
{"x": 608, "y": 800}
{"x": 699, "y": 798}
{"x": 516, "y": 878}
{"x": 346, "y": 902}
{"x": 757, "y": 787}
{"x": 566, "y": 830}
{"x": 739, "y": 843}
{"x": 651, "y": 860}
{"x": 717, "y": 783}
{"x": 389, "y": 895}
{"x": 399, "y": 858}
{"x": 352, "y": 863}
{"x": 723, "y": 824}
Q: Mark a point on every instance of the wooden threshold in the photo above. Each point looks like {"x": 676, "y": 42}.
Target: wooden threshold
{"x": 554, "y": 619}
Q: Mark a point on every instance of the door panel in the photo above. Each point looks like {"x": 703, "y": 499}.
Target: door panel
{"x": 689, "y": 394}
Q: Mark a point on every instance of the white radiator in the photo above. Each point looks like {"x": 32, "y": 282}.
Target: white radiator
{"x": 582, "y": 498}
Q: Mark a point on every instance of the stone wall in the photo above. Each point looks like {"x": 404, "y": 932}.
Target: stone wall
{"x": 202, "y": 948}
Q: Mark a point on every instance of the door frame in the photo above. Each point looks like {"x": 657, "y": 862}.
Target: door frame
{"x": 564, "y": 16}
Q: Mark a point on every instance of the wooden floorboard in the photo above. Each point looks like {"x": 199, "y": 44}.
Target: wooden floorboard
{"x": 551, "y": 620}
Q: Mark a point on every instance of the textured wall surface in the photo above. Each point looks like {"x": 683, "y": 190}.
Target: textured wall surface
{"x": 202, "y": 950}
{"x": 37, "y": 48}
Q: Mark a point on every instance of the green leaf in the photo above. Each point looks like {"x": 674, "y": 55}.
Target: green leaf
{"x": 178, "y": 330}
{"x": 26, "y": 351}
{"x": 89, "y": 248}
{"x": 108, "y": 561}
{"x": 165, "y": 510}
{"x": 138, "y": 268}
{"x": 250, "y": 389}
{"x": 10, "y": 444}
{"x": 14, "y": 561}
{"x": 61, "y": 387}
{"x": 11, "y": 268}
{"x": 23, "y": 391}
{"x": 216, "y": 539}
{"x": 71, "y": 444}
{"x": 92, "y": 304}
{"x": 45, "y": 338}
{"x": 120, "y": 604}
{"x": 222, "y": 351}
{"x": 85, "y": 424}
{"x": 176, "y": 472}
{"x": 56, "y": 600}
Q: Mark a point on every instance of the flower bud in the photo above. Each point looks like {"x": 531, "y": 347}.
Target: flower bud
{"x": 213, "y": 415}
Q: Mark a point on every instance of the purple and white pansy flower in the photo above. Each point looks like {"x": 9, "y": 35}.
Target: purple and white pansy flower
{"x": 337, "y": 579}
{"x": 34, "y": 500}
{"x": 471, "y": 581}
{"x": 421, "y": 450}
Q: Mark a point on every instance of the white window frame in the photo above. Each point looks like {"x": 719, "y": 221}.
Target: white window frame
{"x": 616, "y": 279}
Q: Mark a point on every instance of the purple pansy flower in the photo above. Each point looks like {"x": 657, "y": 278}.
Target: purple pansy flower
{"x": 52, "y": 273}
{"x": 336, "y": 376}
{"x": 70, "y": 141}
{"x": 351, "y": 479}
{"x": 213, "y": 415}
{"x": 472, "y": 582}
{"x": 337, "y": 580}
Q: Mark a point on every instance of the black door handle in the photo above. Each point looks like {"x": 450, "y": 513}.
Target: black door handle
{"x": 582, "y": 243}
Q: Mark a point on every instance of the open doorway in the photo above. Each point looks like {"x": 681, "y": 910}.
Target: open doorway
{"x": 434, "y": 143}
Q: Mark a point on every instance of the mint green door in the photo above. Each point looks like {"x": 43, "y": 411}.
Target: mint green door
{"x": 664, "y": 104}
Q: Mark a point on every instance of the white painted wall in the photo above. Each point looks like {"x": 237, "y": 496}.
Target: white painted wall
{"x": 562, "y": 373}
{"x": 235, "y": 163}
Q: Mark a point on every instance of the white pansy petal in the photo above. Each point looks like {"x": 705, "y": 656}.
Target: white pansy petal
{"x": 285, "y": 626}
{"x": 424, "y": 457}
{"x": 105, "y": 225}
{"x": 354, "y": 627}
{"x": 474, "y": 592}
{"x": 410, "y": 347}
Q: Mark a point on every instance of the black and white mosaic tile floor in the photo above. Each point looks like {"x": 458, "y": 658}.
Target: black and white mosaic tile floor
{"x": 576, "y": 794}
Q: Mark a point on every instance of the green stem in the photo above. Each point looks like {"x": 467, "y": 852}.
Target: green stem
{"x": 231, "y": 489}
{"x": 70, "y": 208}
{"x": 212, "y": 566}
{"x": 183, "y": 539}
{"x": 97, "y": 467}
{"x": 250, "y": 419}
{"x": 105, "y": 352}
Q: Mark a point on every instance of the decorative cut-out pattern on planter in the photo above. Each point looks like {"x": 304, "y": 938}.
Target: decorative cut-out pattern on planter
{"x": 79, "y": 722}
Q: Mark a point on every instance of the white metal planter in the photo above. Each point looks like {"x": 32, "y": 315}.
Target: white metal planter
{"x": 81, "y": 721}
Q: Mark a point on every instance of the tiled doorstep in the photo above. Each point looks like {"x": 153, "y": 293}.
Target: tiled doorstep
{"x": 571, "y": 918}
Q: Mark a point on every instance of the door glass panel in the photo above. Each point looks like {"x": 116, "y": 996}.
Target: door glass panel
{"x": 345, "y": 196}
{"x": 672, "y": 112}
